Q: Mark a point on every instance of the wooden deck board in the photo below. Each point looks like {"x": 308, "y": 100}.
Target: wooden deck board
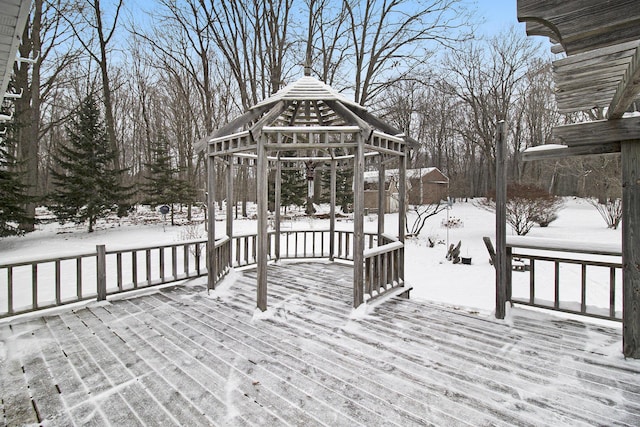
{"x": 183, "y": 357}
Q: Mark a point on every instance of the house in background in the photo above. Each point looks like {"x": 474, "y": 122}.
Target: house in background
{"x": 425, "y": 186}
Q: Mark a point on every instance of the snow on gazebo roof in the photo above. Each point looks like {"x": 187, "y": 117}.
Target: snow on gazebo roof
{"x": 306, "y": 88}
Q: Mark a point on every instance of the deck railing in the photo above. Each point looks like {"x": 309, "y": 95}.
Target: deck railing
{"x": 44, "y": 283}
{"x": 48, "y": 282}
{"x": 587, "y": 281}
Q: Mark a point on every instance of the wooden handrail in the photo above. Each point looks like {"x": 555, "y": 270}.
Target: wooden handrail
{"x": 530, "y": 252}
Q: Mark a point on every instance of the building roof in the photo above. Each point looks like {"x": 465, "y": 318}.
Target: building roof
{"x": 13, "y": 18}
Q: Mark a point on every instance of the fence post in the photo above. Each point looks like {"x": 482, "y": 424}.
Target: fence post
{"x": 101, "y": 272}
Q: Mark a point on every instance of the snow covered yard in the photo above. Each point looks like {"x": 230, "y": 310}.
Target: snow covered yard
{"x": 432, "y": 276}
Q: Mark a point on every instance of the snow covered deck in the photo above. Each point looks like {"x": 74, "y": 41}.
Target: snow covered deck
{"x": 182, "y": 357}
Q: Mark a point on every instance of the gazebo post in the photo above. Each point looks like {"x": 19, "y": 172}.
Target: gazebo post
{"x": 278, "y": 197}
{"x": 402, "y": 197}
{"x": 358, "y": 223}
{"x": 211, "y": 222}
{"x": 230, "y": 202}
{"x": 630, "y": 248}
{"x": 381, "y": 196}
{"x": 332, "y": 211}
{"x": 262, "y": 193}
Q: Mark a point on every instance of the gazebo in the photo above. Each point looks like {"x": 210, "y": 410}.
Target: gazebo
{"x": 308, "y": 121}
{"x": 601, "y": 69}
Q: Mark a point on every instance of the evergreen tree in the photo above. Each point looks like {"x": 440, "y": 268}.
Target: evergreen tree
{"x": 12, "y": 192}
{"x": 163, "y": 185}
{"x": 344, "y": 188}
{"x": 86, "y": 184}
{"x": 293, "y": 189}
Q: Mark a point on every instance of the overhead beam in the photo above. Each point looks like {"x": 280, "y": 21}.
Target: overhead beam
{"x": 274, "y": 112}
{"x": 582, "y": 25}
{"x": 597, "y": 132}
{"x": 628, "y": 88}
{"x": 351, "y": 117}
{"x": 559, "y": 151}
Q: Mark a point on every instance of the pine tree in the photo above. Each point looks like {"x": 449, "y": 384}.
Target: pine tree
{"x": 12, "y": 192}
{"x": 163, "y": 185}
{"x": 86, "y": 184}
{"x": 344, "y": 188}
{"x": 293, "y": 189}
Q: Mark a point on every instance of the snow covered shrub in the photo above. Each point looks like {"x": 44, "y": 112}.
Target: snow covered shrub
{"x": 610, "y": 209}
{"x": 526, "y": 206}
{"x": 421, "y": 214}
{"x": 546, "y": 218}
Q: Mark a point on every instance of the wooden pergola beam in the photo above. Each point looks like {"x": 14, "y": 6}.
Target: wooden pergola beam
{"x": 628, "y": 88}
{"x": 582, "y": 25}
{"x": 597, "y": 132}
{"x": 560, "y": 152}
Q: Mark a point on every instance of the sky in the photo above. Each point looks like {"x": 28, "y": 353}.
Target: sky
{"x": 499, "y": 15}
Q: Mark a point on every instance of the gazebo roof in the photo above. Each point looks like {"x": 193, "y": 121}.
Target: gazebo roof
{"x": 304, "y": 107}
{"x": 307, "y": 88}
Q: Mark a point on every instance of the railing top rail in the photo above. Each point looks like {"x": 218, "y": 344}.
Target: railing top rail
{"x": 221, "y": 241}
{"x": 562, "y": 245}
{"x": 43, "y": 260}
{"x": 120, "y": 249}
{"x": 389, "y": 247}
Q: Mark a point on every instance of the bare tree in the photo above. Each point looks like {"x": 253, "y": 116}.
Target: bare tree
{"x": 254, "y": 39}
{"x": 488, "y": 78}
{"x": 391, "y": 39}
{"x": 87, "y": 21}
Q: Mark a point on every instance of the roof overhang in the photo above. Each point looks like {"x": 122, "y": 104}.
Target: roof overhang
{"x": 601, "y": 69}
{"x": 13, "y": 18}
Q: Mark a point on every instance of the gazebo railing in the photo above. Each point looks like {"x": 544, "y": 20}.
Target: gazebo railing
{"x": 383, "y": 268}
{"x": 49, "y": 282}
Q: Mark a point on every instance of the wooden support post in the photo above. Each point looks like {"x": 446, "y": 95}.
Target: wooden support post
{"x": 358, "y": 224}
{"x": 381, "y": 197}
{"x": 402, "y": 206}
{"x": 278, "y": 198}
{"x": 501, "y": 222}
{"x": 263, "y": 211}
{"x": 230, "y": 203}
{"x": 211, "y": 221}
{"x": 631, "y": 248}
{"x": 402, "y": 197}
{"x": 332, "y": 211}
{"x": 101, "y": 272}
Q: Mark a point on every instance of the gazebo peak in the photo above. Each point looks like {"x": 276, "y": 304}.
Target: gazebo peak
{"x": 306, "y": 88}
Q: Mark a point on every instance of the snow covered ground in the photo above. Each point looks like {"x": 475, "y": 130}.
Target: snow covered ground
{"x": 432, "y": 276}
